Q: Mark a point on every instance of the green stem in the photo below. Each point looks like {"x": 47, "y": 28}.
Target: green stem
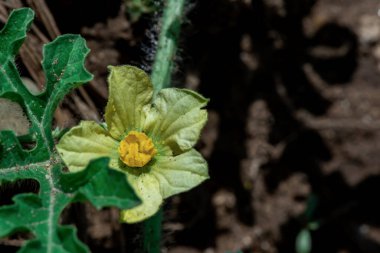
{"x": 56, "y": 133}
{"x": 167, "y": 43}
{"x": 152, "y": 233}
{"x": 161, "y": 75}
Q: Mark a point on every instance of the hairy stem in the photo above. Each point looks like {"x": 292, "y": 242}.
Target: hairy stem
{"x": 167, "y": 43}
{"x": 161, "y": 75}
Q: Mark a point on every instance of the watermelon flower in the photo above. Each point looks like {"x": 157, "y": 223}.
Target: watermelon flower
{"x": 150, "y": 139}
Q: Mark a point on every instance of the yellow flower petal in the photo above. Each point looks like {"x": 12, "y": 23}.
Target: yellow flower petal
{"x": 130, "y": 90}
{"x": 86, "y": 142}
{"x": 147, "y": 189}
{"x": 180, "y": 173}
{"x": 177, "y": 118}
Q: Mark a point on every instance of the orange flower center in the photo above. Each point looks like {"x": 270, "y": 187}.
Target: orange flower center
{"x": 136, "y": 149}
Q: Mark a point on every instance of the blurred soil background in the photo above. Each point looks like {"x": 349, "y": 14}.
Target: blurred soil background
{"x": 293, "y": 138}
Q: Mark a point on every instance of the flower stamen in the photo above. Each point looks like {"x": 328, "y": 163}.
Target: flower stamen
{"x": 136, "y": 149}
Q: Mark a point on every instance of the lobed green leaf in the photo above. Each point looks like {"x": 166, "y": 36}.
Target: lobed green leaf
{"x": 63, "y": 63}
